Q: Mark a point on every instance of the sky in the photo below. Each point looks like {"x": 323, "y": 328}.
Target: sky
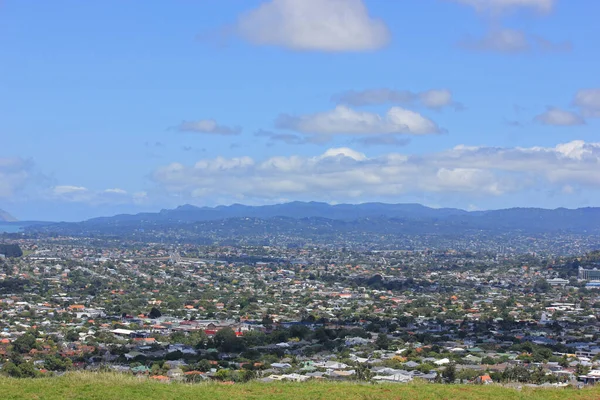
{"x": 111, "y": 107}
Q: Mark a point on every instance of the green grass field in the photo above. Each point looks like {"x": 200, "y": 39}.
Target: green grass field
{"x": 123, "y": 387}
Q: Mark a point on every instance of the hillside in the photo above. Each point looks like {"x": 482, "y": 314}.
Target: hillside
{"x": 296, "y": 209}
{"x": 6, "y": 217}
{"x": 307, "y": 219}
{"x": 112, "y": 386}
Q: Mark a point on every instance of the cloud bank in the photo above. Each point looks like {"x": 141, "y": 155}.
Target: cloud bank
{"x": 347, "y": 121}
{"x": 344, "y": 174}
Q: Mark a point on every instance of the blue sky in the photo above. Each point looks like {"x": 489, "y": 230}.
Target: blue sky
{"x": 111, "y": 106}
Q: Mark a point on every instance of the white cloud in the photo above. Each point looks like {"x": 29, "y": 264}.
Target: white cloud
{"x": 322, "y": 25}
{"x": 558, "y": 117}
{"x": 589, "y": 102}
{"x": 466, "y": 179}
{"x": 577, "y": 149}
{"x": 343, "y": 174}
{"x": 71, "y": 193}
{"x": 81, "y": 194}
{"x": 115, "y": 191}
{"x": 434, "y": 98}
{"x": 344, "y": 120}
{"x": 67, "y": 189}
{"x": 208, "y": 126}
{"x": 344, "y": 152}
{"x": 498, "y": 6}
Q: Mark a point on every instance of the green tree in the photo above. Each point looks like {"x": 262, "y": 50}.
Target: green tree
{"x": 449, "y": 373}
{"x": 28, "y": 370}
{"x": 72, "y": 336}
{"x": 363, "y": 373}
{"x": 223, "y": 375}
{"x": 24, "y": 343}
{"x": 11, "y": 369}
{"x": 227, "y": 341}
{"x": 154, "y": 313}
{"x": 203, "y": 366}
{"x": 54, "y": 363}
{"x": 382, "y": 342}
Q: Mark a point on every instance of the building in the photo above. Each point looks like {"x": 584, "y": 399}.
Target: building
{"x": 592, "y": 285}
{"x": 588, "y": 274}
{"x": 558, "y": 281}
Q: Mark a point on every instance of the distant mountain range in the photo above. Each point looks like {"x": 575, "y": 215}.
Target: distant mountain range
{"x": 297, "y": 209}
{"x": 6, "y": 217}
{"x": 413, "y": 217}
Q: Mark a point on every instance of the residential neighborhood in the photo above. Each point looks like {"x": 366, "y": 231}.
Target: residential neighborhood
{"x": 238, "y": 313}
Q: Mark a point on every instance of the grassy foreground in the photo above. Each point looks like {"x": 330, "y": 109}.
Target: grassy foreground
{"x": 117, "y": 386}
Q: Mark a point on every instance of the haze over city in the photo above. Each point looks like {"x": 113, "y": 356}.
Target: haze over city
{"x": 111, "y": 107}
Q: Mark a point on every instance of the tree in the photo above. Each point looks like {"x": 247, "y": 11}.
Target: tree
{"x": 516, "y": 374}
{"x": 382, "y": 342}
{"x": 154, "y": 313}
{"x": 54, "y": 363}
{"x": 11, "y": 250}
{"x": 254, "y": 338}
{"x": 24, "y": 343}
{"x": 28, "y": 370}
{"x": 363, "y": 373}
{"x": 11, "y": 369}
{"x": 245, "y": 375}
{"x": 203, "y": 366}
{"x": 581, "y": 369}
{"x": 222, "y": 375}
{"x": 227, "y": 341}
{"x": 174, "y": 355}
{"x": 72, "y": 336}
{"x": 541, "y": 286}
{"x": 267, "y": 322}
{"x": 449, "y": 373}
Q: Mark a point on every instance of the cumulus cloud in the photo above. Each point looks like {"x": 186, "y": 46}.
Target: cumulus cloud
{"x": 82, "y": 194}
{"x": 343, "y": 174}
{"x": 208, "y": 126}
{"x": 588, "y": 100}
{"x": 559, "y": 117}
{"x": 321, "y": 25}
{"x": 68, "y": 189}
{"x": 434, "y": 98}
{"x": 344, "y": 120}
{"x": 115, "y": 191}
